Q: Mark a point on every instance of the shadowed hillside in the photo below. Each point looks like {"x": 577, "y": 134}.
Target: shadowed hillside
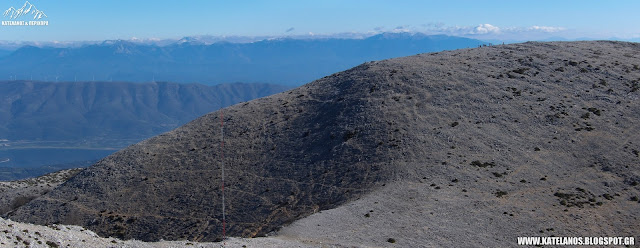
{"x": 477, "y": 146}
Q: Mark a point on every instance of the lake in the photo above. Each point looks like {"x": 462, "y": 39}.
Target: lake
{"x": 37, "y": 157}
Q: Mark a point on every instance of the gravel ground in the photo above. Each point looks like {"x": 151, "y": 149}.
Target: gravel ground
{"x": 16, "y": 234}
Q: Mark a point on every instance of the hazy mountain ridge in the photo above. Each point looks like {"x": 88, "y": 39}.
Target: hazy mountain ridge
{"x": 281, "y": 61}
{"x": 110, "y": 110}
{"x": 5, "y": 52}
{"x": 466, "y": 147}
{"x": 47, "y": 126}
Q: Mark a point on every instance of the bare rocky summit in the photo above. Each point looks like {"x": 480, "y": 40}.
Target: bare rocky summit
{"x": 470, "y": 147}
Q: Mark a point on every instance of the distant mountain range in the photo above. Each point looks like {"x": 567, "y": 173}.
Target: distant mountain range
{"x": 45, "y": 123}
{"x": 115, "y": 110}
{"x": 281, "y": 61}
{"x": 5, "y": 52}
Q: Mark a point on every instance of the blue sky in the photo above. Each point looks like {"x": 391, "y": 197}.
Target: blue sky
{"x": 75, "y": 20}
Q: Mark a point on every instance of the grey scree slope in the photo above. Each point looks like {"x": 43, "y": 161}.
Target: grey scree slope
{"x": 501, "y": 141}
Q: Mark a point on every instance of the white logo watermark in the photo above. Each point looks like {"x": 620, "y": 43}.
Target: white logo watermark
{"x": 25, "y": 12}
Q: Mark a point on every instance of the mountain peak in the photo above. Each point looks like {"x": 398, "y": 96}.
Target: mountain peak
{"x": 467, "y": 132}
{"x": 116, "y": 42}
{"x": 403, "y": 35}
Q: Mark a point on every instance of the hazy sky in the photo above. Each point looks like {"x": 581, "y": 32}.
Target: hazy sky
{"x": 74, "y": 20}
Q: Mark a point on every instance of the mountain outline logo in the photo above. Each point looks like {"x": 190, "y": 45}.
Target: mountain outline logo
{"x": 26, "y": 9}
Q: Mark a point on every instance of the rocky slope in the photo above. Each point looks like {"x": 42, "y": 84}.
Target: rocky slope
{"x": 14, "y": 194}
{"x": 465, "y": 147}
{"x": 16, "y": 234}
